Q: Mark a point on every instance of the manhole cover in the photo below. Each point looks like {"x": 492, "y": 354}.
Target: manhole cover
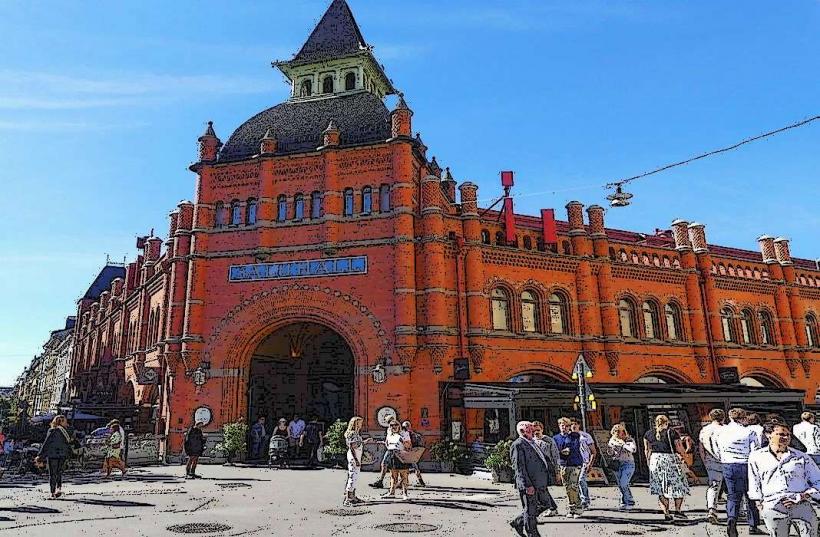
{"x": 199, "y": 527}
{"x": 407, "y": 527}
{"x": 628, "y": 532}
{"x": 233, "y": 485}
{"x": 345, "y": 512}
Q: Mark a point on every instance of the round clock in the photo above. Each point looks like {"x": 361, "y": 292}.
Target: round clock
{"x": 203, "y": 414}
{"x": 385, "y": 414}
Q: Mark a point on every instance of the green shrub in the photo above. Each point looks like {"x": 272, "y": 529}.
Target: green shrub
{"x": 499, "y": 457}
{"x": 335, "y": 439}
{"x": 448, "y": 451}
{"x": 234, "y": 440}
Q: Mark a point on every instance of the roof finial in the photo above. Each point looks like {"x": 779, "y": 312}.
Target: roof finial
{"x": 331, "y": 126}
{"x": 402, "y": 104}
{"x": 209, "y": 131}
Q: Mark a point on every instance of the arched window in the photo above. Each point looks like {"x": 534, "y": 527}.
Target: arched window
{"x": 811, "y": 331}
{"x": 727, "y": 322}
{"x": 219, "y": 214}
{"x": 500, "y": 309}
{"x": 559, "y": 314}
{"x": 645, "y": 258}
{"x": 306, "y": 89}
{"x": 348, "y": 197}
{"x": 747, "y": 327}
{"x": 282, "y": 208}
{"x": 350, "y": 81}
{"x": 250, "y": 212}
{"x": 731, "y": 270}
{"x": 567, "y": 248}
{"x": 315, "y": 205}
{"x": 236, "y": 213}
{"x": 756, "y": 274}
{"x": 485, "y": 236}
{"x": 527, "y": 242}
{"x": 722, "y": 269}
{"x": 673, "y": 322}
{"x": 626, "y": 315}
{"x": 384, "y": 199}
{"x": 327, "y": 84}
{"x": 656, "y": 260}
{"x": 650, "y": 319}
{"x": 529, "y": 312}
{"x": 676, "y": 263}
{"x": 766, "y": 327}
{"x": 499, "y": 238}
{"x": 367, "y": 200}
{"x": 612, "y": 255}
{"x": 624, "y": 256}
{"x": 298, "y": 206}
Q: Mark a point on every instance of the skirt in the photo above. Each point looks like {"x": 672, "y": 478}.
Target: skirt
{"x": 666, "y": 477}
{"x": 392, "y": 462}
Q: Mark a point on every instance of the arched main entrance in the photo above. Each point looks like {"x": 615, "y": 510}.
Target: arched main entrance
{"x": 302, "y": 368}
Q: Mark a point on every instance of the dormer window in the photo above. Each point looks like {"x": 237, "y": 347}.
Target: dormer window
{"x": 327, "y": 84}
{"x": 350, "y": 81}
{"x": 306, "y": 89}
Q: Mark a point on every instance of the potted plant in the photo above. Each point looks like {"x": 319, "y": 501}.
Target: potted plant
{"x": 335, "y": 447}
{"x": 499, "y": 463}
{"x": 233, "y": 442}
{"x": 451, "y": 456}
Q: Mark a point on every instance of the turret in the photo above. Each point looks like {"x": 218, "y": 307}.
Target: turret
{"x": 400, "y": 123}
{"x": 209, "y": 144}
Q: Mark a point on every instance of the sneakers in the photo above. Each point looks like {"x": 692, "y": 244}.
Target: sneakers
{"x": 389, "y": 495}
{"x": 550, "y": 512}
{"x": 405, "y": 497}
{"x": 377, "y": 484}
{"x": 712, "y": 518}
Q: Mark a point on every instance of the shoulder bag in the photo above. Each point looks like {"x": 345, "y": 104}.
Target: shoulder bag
{"x": 614, "y": 464}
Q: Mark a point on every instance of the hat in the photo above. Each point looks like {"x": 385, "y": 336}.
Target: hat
{"x": 113, "y": 422}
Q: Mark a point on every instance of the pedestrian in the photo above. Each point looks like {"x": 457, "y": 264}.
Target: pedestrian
{"x": 114, "y": 449}
{"x": 355, "y": 448}
{"x": 782, "y": 482}
{"x": 622, "y": 449}
{"x": 736, "y": 442}
{"x": 588, "y": 452}
{"x": 281, "y": 429}
{"x": 194, "y": 447}
{"x": 530, "y": 467}
{"x": 572, "y": 462}
{"x": 379, "y": 483}
{"x": 311, "y": 438}
{"x": 416, "y": 441}
{"x": 662, "y": 448}
{"x": 295, "y": 429}
{"x": 258, "y": 438}
{"x": 550, "y": 451}
{"x": 808, "y": 432}
{"x": 396, "y": 441}
{"x": 56, "y": 449}
{"x": 752, "y": 422}
{"x": 710, "y": 455}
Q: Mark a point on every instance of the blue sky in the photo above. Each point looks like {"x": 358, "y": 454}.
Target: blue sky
{"x": 101, "y": 104}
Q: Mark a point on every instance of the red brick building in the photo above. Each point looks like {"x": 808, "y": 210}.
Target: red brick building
{"x": 328, "y": 266}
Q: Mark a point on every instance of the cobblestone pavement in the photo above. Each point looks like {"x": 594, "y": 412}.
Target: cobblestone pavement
{"x": 232, "y": 501}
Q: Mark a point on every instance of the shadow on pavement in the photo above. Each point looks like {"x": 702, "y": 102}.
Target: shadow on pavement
{"x": 108, "y": 503}
{"x": 33, "y": 509}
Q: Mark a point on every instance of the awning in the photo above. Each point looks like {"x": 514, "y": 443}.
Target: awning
{"x": 72, "y": 416}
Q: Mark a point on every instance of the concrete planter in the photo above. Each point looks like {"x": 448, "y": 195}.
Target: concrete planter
{"x": 503, "y": 475}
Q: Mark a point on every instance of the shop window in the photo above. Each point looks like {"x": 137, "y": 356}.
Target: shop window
{"x": 626, "y": 315}
{"x": 529, "y": 312}
{"x": 250, "y": 212}
{"x": 650, "y": 319}
{"x": 673, "y": 322}
{"x": 559, "y": 314}
{"x": 282, "y": 208}
{"x": 500, "y": 309}
{"x": 298, "y": 207}
{"x": 315, "y": 205}
{"x": 367, "y": 200}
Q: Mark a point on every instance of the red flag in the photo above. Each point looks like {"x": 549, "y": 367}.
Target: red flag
{"x": 506, "y": 179}
{"x": 548, "y": 226}
{"x": 509, "y": 220}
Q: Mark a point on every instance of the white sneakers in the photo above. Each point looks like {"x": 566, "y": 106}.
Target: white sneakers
{"x": 550, "y": 512}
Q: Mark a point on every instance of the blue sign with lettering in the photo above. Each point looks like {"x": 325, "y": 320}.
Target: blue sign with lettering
{"x": 310, "y": 268}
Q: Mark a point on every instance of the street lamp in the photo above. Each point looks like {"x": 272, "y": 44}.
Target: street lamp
{"x": 585, "y": 398}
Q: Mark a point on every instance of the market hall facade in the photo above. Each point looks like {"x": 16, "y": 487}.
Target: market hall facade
{"x": 329, "y": 266}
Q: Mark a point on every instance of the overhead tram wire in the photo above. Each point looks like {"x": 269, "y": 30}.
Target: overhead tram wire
{"x": 621, "y": 182}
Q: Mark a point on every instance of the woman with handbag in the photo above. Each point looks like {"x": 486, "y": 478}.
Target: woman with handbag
{"x": 56, "y": 449}
{"x": 622, "y": 450}
{"x": 397, "y": 441}
{"x": 662, "y": 447}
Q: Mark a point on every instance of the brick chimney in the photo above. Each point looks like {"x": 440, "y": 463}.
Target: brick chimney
{"x": 767, "y": 250}
{"x": 680, "y": 233}
{"x": 575, "y": 217}
{"x": 595, "y": 213}
{"x": 185, "y": 222}
{"x": 781, "y": 250}
{"x": 469, "y": 198}
{"x": 697, "y": 236}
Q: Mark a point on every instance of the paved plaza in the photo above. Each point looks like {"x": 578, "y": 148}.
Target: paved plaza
{"x": 258, "y": 501}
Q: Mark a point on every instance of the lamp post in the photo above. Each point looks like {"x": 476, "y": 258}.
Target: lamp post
{"x": 585, "y": 397}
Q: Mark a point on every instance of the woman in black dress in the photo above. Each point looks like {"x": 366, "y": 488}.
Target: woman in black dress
{"x": 56, "y": 449}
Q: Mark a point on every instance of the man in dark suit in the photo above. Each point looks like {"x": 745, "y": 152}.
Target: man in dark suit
{"x": 531, "y": 479}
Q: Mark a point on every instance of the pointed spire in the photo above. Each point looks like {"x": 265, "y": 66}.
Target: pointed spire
{"x": 402, "y": 104}
{"x": 331, "y": 135}
{"x": 331, "y": 127}
{"x": 447, "y": 175}
{"x": 268, "y": 144}
{"x": 337, "y": 35}
{"x": 420, "y": 144}
{"x": 269, "y": 135}
{"x": 435, "y": 169}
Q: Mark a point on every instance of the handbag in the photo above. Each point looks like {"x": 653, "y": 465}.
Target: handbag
{"x": 613, "y": 464}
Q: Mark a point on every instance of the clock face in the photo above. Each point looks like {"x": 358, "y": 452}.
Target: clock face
{"x": 203, "y": 414}
{"x": 385, "y": 414}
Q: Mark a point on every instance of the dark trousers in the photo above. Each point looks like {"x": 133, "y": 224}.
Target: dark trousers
{"x": 55, "y": 473}
{"x": 313, "y": 460}
{"x": 534, "y": 505}
{"x": 736, "y": 476}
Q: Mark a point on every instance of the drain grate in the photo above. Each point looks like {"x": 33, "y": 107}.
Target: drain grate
{"x": 345, "y": 512}
{"x": 628, "y": 532}
{"x": 233, "y": 485}
{"x": 199, "y": 527}
{"x": 408, "y": 527}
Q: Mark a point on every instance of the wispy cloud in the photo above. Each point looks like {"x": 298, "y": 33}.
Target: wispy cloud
{"x": 25, "y": 90}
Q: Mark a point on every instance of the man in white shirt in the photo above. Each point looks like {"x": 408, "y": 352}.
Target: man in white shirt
{"x": 588, "y": 452}
{"x": 781, "y": 482}
{"x": 709, "y": 454}
{"x": 808, "y": 432}
{"x": 736, "y": 442}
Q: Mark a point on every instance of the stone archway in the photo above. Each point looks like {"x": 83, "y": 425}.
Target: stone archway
{"x": 233, "y": 341}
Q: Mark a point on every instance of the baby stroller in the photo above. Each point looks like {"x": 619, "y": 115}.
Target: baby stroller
{"x": 278, "y": 452}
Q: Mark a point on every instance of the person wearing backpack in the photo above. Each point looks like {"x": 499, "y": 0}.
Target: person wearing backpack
{"x": 56, "y": 449}
{"x": 312, "y": 437}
